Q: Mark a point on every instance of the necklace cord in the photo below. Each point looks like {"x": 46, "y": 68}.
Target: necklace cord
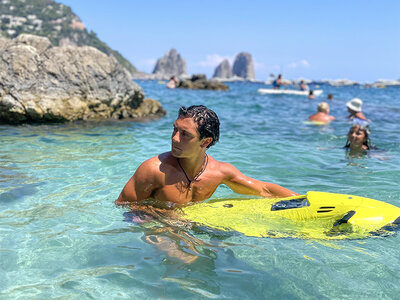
{"x": 205, "y": 162}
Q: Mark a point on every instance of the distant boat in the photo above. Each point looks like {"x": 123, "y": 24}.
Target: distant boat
{"x": 289, "y": 92}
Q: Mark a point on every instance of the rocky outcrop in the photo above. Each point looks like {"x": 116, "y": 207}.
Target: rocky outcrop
{"x": 223, "y": 70}
{"x": 172, "y": 64}
{"x": 42, "y": 83}
{"x": 53, "y": 20}
{"x": 243, "y": 66}
{"x": 200, "y": 82}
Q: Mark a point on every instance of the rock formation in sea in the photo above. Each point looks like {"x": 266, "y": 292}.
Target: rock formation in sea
{"x": 171, "y": 64}
{"x": 200, "y": 82}
{"x": 223, "y": 70}
{"x": 243, "y": 66}
{"x": 53, "y": 20}
{"x": 42, "y": 83}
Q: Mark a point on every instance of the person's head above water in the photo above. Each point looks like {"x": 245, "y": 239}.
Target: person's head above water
{"x": 323, "y": 107}
{"x": 206, "y": 119}
{"x": 354, "y": 105}
{"x": 358, "y": 138}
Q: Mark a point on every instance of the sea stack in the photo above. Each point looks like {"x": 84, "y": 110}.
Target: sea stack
{"x": 172, "y": 64}
{"x": 243, "y": 66}
{"x": 223, "y": 70}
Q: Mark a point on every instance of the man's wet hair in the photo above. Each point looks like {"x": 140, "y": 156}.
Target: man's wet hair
{"x": 206, "y": 119}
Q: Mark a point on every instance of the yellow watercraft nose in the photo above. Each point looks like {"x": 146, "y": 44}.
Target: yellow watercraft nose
{"x": 316, "y": 215}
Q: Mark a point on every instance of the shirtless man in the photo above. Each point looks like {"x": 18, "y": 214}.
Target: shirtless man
{"x": 173, "y": 82}
{"x": 187, "y": 173}
{"x": 322, "y": 114}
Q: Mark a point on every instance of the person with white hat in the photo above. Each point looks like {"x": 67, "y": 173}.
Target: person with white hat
{"x": 354, "y": 106}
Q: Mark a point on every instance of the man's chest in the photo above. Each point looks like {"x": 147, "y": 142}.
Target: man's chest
{"x": 184, "y": 192}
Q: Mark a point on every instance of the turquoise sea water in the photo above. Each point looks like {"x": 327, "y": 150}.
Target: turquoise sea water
{"x": 61, "y": 236}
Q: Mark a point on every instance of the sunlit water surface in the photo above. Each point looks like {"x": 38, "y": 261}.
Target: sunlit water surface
{"x": 62, "y": 237}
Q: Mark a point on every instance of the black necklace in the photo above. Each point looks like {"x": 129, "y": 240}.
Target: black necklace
{"x": 205, "y": 162}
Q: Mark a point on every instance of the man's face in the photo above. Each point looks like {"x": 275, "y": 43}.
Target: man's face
{"x": 185, "y": 138}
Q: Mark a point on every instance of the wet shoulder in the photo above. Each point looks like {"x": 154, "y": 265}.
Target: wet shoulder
{"x": 226, "y": 169}
{"x": 154, "y": 163}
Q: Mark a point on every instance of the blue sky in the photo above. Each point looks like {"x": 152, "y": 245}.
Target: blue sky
{"x": 357, "y": 40}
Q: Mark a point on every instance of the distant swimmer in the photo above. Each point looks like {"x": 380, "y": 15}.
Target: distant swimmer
{"x": 187, "y": 173}
{"x": 330, "y": 96}
{"x": 173, "y": 82}
{"x": 354, "y": 107}
{"x": 358, "y": 141}
{"x": 276, "y": 84}
{"x": 311, "y": 95}
{"x": 303, "y": 86}
{"x": 322, "y": 114}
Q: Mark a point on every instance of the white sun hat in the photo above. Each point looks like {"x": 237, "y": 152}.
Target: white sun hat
{"x": 355, "y": 104}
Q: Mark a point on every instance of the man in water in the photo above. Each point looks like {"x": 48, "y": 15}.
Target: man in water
{"x": 322, "y": 114}
{"x": 187, "y": 173}
{"x": 173, "y": 82}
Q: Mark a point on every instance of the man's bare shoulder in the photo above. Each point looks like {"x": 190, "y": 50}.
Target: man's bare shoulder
{"x": 225, "y": 168}
{"x": 155, "y": 163}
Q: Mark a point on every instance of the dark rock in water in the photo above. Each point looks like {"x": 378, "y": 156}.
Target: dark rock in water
{"x": 42, "y": 83}
{"x": 172, "y": 64}
{"x": 243, "y": 66}
{"x": 223, "y": 70}
{"x": 200, "y": 82}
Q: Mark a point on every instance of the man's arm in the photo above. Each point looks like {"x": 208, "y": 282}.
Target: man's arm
{"x": 141, "y": 185}
{"x": 242, "y": 184}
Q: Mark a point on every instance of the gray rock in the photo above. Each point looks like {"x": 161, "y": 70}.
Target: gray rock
{"x": 223, "y": 70}
{"x": 172, "y": 64}
{"x": 200, "y": 82}
{"x": 243, "y": 66}
{"x": 53, "y": 20}
{"x": 41, "y": 83}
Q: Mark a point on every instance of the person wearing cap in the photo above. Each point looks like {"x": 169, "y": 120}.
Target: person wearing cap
{"x": 354, "y": 107}
{"x": 322, "y": 115}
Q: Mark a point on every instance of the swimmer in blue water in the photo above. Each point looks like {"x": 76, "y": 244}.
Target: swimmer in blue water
{"x": 354, "y": 107}
{"x": 358, "y": 141}
{"x": 359, "y": 144}
{"x": 276, "y": 84}
{"x": 187, "y": 173}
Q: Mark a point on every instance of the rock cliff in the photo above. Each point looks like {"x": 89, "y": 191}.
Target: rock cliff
{"x": 223, "y": 70}
{"x": 243, "y": 66}
{"x": 169, "y": 65}
{"x": 53, "y": 20}
{"x": 42, "y": 83}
